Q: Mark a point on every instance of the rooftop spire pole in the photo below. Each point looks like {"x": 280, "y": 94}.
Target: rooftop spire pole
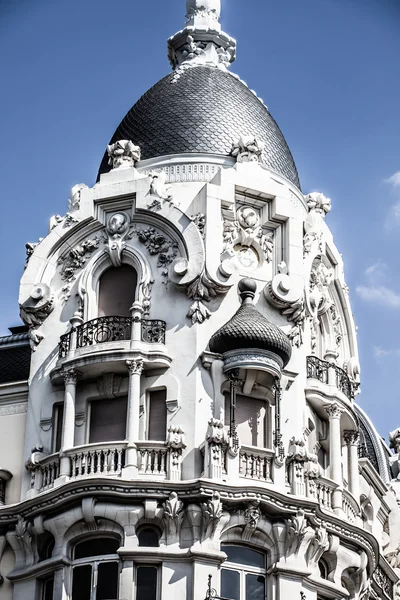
{"x": 202, "y": 41}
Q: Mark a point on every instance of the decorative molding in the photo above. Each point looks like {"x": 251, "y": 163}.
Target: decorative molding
{"x": 158, "y": 244}
{"x": 246, "y": 231}
{"x": 35, "y": 310}
{"x": 71, "y": 376}
{"x": 173, "y": 516}
{"x": 158, "y": 191}
{"x": 123, "y": 154}
{"x": 318, "y": 206}
{"x": 201, "y": 290}
{"x": 319, "y": 544}
{"x": 212, "y": 513}
{"x": 296, "y": 528}
{"x": 200, "y": 221}
{"x": 252, "y": 515}
{"x": 351, "y": 437}
{"x": 76, "y": 258}
{"x": 74, "y": 202}
{"x": 247, "y": 149}
{"x": 135, "y": 366}
{"x": 334, "y": 411}
{"x": 118, "y": 230}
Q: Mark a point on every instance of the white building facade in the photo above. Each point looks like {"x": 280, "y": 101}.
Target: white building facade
{"x": 178, "y": 415}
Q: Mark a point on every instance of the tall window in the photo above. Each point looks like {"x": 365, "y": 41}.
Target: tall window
{"x": 117, "y": 288}
{"x": 157, "y": 415}
{"x": 108, "y": 420}
{"x": 58, "y": 415}
{"x": 243, "y": 576}
{"x": 251, "y": 420}
{"x": 95, "y": 570}
{"x": 146, "y": 582}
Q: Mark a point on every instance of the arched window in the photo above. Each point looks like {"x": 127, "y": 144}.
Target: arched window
{"x": 149, "y": 536}
{"x": 243, "y": 575}
{"x": 95, "y": 569}
{"x": 117, "y": 290}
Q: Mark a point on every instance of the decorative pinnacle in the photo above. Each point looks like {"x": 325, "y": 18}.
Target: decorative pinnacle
{"x": 202, "y": 42}
{"x": 247, "y": 290}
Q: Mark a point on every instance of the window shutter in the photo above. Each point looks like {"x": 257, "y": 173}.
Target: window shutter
{"x": 157, "y": 415}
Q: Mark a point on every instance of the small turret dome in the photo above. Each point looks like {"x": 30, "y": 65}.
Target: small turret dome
{"x": 248, "y": 328}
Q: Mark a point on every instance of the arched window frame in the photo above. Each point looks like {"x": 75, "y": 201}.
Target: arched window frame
{"x": 101, "y": 262}
{"x": 244, "y": 570}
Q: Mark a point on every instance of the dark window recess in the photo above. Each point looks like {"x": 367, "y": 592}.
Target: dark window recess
{"x": 149, "y": 537}
{"x": 244, "y": 556}
{"x": 96, "y": 547}
{"x": 146, "y": 583}
{"x": 157, "y": 415}
{"x": 48, "y": 586}
{"x": 108, "y": 420}
{"x": 45, "y": 545}
{"x": 117, "y": 289}
{"x": 107, "y": 581}
{"x": 82, "y": 582}
{"x": 58, "y": 416}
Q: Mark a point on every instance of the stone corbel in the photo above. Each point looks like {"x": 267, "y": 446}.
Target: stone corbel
{"x": 172, "y": 518}
{"x": 35, "y": 310}
{"x": 252, "y": 515}
{"x": 211, "y": 514}
{"x": 318, "y": 545}
{"x": 296, "y": 529}
{"x": 88, "y": 506}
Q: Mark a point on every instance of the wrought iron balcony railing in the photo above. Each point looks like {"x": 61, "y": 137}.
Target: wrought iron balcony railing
{"x": 319, "y": 369}
{"x": 110, "y": 329}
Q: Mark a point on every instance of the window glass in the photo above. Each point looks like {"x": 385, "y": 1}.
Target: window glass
{"x": 58, "y": 415}
{"x": 117, "y": 288}
{"x": 230, "y": 584}
{"x": 82, "y": 582}
{"x": 108, "y": 420}
{"x": 244, "y": 556}
{"x": 255, "y": 587}
{"x": 96, "y": 547}
{"x": 146, "y": 583}
{"x": 48, "y": 586}
{"x": 148, "y": 537}
{"x": 107, "y": 581}
{"x": 157, "y": 415}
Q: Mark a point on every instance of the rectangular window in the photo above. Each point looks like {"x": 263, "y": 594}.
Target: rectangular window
{"x": 157, "y": 415}
{"x": 58, "y": 416}
{"x": 251, "y": 420}
{"x": 96, "y": 581}
{"x": 47, "y": 588}
{"x": 146, "y": 583}
{"x": 108, "y": 420}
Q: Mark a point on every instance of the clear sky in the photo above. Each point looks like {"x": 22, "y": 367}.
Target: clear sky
{"x": 327, "y": 69}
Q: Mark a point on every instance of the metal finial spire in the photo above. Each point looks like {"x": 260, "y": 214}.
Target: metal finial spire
{"x": 202, "y": 42}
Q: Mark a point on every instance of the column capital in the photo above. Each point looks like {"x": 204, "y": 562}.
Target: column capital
{"x": 135, "y": 366}
{"x": 334, "y": 411}
{"x": 351, "y": 437}
{"x": 71, "y": 376}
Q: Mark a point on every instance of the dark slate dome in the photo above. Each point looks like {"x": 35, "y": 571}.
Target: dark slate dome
{"x": 248, "y": 328}
{"x": 202, "y": 109}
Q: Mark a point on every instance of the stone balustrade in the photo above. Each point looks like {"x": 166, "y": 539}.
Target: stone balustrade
{"x": 256, "y": 463}
{"x": 350, "y": 507}
{"x": 44, "y": 473}
{"x": 97, "y": 459}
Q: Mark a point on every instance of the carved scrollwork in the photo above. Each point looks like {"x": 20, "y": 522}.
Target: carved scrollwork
{"x": 36, "y": 309}
{"x": 76, "y": 258}
{"x": 123, "y": 154}
{"x": 248, "y": 149}
{"x": 158, "y": 244}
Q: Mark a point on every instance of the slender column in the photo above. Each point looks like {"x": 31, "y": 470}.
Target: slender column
{"x": 76, "y": 321}
{"x": 331, "y": 357}
{"x": 136, "y": 311}
{"x": 68, "y": 429}
{"x": 335, "y": 455}
{"x": 351, "y": 438}
{"x": 135, "y": 368}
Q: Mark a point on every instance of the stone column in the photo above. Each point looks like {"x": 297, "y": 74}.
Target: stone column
{"x": 331, "y": 357}
{"x": 135, "y": 368}
{"x": 136, "y": 311}
{"x": 68, "y": 428}
{"x": 351, "y": 438}
{"x": 335, "y": 453}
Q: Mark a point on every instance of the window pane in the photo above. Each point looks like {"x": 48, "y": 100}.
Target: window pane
{"x": 230, "y": 584}
{"x": 48, "y": 589}
{"x": 157, "y": 415}
{"x": 244, "y": 556}
{"x": 81, "y": 582}
{"x": 57, "y": 424}
{"x": 146, "y": 583}
{"x": 96, "y": 547}
{"x": 148, "y": 537}
{"x": 117, "y": 291}
{"x": 107, "y": 581}
{"x": 108, "y": 420}
{"x": 255, "y": 587}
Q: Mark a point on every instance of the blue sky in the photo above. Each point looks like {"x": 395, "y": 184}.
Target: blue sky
{"x": 327, "y": 69}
